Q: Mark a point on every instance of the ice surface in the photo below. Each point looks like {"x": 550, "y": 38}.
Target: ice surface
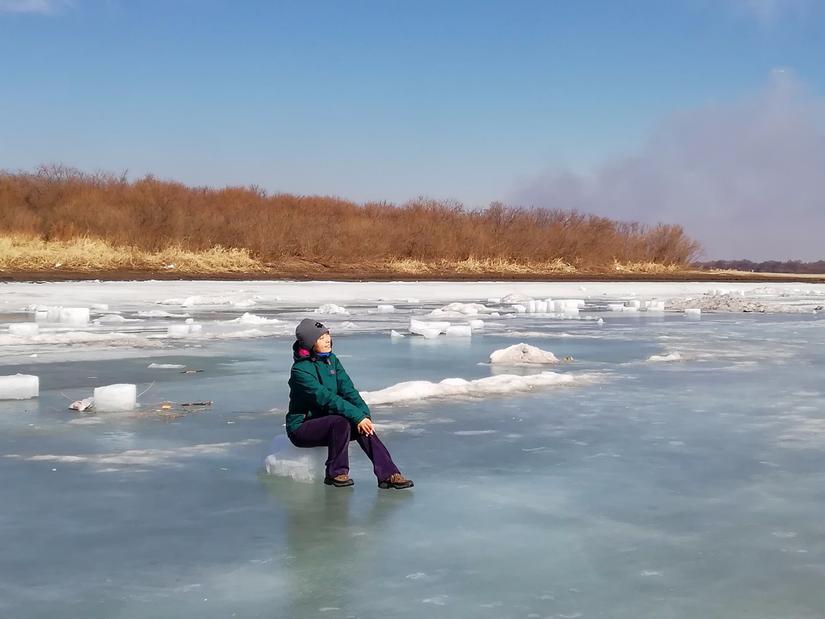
{"x": 19, "y": 387}
{"x": 452, "y": 387}
{"x": 24, "y": 328}
{"x": 394, "y": 333}
{"x": 693, "y": 311}
{"x": 385, "y": 309}
{"x": 618, "y": 495}
{"x": 522, "y": 354}
{"x": 476, "y": 324}
{"x": 165, "y": 366}
{"x": 118, "y": 397}
{"x": 299, "y": 464}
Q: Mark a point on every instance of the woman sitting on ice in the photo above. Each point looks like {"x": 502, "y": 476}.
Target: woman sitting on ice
{"x": 326, "y": 410}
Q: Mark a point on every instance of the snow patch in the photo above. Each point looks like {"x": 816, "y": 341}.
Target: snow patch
{"x": 452, "y": 387}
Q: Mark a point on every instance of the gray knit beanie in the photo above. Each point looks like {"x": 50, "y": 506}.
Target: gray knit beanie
{"x": 308, "y": 331}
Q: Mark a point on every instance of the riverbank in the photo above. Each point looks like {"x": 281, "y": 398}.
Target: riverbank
{"x": 355, "y": 273}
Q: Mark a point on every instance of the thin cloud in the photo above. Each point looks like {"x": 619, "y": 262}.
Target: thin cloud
{"x": 769, "y": 12}
{"x": 39, "y": 7}
{"x": 744, "y": 179}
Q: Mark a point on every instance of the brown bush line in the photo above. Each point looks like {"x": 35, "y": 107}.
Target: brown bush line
{"x": 255, "y": 230}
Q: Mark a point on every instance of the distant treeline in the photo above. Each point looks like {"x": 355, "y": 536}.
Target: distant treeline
{"x": 59, "y": 203}
{"x": 769, "y": 266}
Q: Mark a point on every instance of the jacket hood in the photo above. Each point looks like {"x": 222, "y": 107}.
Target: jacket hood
{"x": 299, "y": 353}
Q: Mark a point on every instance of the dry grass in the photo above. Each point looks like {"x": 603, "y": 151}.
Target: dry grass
{"x": 646, "y": 267}
{"x": 25, "y": 253}
{"x": 486, "y": 266}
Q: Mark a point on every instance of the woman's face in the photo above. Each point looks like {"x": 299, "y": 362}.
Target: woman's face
{"x": 324, "y": 343}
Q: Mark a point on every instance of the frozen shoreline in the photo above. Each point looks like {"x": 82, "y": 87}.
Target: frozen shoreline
{"x": 238, "y": 293}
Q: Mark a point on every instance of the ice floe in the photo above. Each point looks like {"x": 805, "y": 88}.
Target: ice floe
{"x": 19, "y": 387}
{"x": 672, "y": 356}
{"x": 452, "y": 387}
{"x": 24, "y": 328}
{"x": 286, "y": 460}
{"x": 427, "y": 328}
{"x": 253, "y": 319}
{"x": 519, "y": 354}
{"x": 331, "y": 308}
{"x": 115, "y": 398}
{"x": 160, "y": 314}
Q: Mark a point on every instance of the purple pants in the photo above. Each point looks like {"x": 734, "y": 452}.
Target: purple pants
{"x": 335, "y": 432}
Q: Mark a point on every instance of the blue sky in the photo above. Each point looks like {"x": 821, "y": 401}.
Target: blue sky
{"x": 379, "y": 100}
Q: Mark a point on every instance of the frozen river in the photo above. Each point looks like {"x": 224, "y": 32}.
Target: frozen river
{"x": 677, "y": 471}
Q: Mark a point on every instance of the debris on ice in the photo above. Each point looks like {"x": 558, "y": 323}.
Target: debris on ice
{"x": 82, "y": 405}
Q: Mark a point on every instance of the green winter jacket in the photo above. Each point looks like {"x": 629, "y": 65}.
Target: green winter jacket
{"x": 320, "y": 386}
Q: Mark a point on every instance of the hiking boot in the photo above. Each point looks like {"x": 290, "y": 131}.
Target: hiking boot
{"x": 339, "y": 481}
{"x": 397, "y": 481}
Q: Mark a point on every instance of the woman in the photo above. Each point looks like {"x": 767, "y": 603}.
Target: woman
{"x": 325, "y": 409}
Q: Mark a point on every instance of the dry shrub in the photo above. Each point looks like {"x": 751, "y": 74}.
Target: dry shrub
{"x": 55, "y": 203}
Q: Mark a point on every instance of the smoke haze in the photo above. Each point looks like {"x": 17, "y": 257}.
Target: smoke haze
{"x": 746, "y": 179}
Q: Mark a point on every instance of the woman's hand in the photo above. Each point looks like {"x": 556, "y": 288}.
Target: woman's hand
{"x": 365, "y": 427}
